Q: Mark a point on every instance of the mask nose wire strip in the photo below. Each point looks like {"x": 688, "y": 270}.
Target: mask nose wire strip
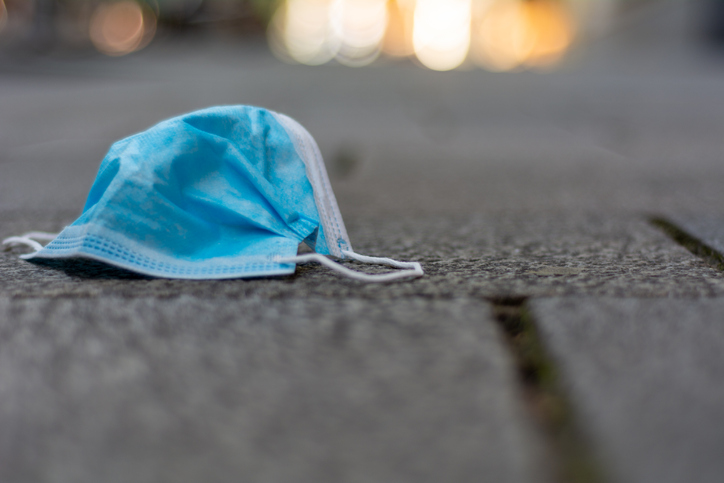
{"x": 413, "y": 269}
{"x": 27, "y": 239}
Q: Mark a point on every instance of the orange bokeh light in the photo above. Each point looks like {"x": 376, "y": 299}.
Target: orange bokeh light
{"x": 499, "y": 35}
{"x": 398, "y": 38}
{"x": 515, "y": 33}
{"x": 554, "y": 31}
{"x": 121, "y": 28}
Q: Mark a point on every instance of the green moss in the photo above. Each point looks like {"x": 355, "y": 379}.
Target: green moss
{"x": 694, "y": 245}
{"x": 574, "y": 459}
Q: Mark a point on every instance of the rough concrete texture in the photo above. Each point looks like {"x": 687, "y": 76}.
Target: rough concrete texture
{"x": 217, "y": 390}
{"x": 646, "y": 379}
{"x": 481, "y": 256}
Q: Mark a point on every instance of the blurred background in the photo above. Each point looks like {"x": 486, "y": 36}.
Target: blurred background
{"x": 496, "y": 105}
{"x": 495, "y": 35}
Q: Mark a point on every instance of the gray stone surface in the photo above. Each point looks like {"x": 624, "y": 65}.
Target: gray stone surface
{"x": 245, "y": 389}
{"x": 480, "y": 256}
{"x": 647, "y": 380}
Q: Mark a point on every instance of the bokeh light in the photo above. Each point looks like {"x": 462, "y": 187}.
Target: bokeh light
{"x": 359, "y": 27}
{"x": 314, "y": 32}
{"x": 554, "y": 31}
{"x": 441, "y": 32}
{"x": 502, "y": 37}
{"x": 401, "y": 19}
{"x": 515, "y": 33}
{"x": 120, "y": 28}
{"x": 498, "y": 35}
{"x": 306, "y": 32}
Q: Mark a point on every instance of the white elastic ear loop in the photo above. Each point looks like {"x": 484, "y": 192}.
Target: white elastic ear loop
{"x": 27, "y": 239}
{"x": 413, "y": 269}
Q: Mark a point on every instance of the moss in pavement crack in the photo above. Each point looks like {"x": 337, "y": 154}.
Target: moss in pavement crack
{"x": 574, "y": 459}
{"x": 691, "y": 243}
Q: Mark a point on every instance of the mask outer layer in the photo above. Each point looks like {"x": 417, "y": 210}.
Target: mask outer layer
{"x": 225, "y": 192}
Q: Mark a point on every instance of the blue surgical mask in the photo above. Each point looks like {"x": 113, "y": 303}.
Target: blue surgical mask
{"x": 225, "y": 192}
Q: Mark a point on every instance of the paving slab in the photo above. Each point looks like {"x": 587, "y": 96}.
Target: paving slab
{"x": 186, "y": 390}
{"x": 646, "y": 378}
{"x": 478, "y": 256}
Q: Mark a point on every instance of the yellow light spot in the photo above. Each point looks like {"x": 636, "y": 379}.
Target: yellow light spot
{"x": 441, "y": 32}
{"x": 306, "y": 32}
{"x": 514, "y": 33}
{"x": 398, "y": 39}
{"x": 359, "y": 26}
{"x": 500, "y": 34}
{"x": 554, "y": 31}
{"x": 121, "y": 28}
{"x": 504, "y": 40}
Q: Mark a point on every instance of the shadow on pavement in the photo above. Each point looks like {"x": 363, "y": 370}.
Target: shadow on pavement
{"x": 89, "y": 269}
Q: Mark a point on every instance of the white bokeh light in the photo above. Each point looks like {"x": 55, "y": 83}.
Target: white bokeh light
{"x": 359, "y": 27}
{"x": 441, "y": 35}
{"x": 307, "y": 32}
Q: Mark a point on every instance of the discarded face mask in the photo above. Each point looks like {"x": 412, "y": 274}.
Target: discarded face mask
{"x": 225, "y": 192}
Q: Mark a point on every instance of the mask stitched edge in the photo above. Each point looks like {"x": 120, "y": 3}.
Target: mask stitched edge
{"x": 325, "y": 200}
{"x": 83, "y": 241}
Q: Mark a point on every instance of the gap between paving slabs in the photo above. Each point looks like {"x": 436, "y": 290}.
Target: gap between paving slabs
{"x": 690, "y": 242}
{"x": 572, "y": 456}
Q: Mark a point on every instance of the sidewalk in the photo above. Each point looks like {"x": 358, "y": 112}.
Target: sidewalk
{"x": 559, "y": 334}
